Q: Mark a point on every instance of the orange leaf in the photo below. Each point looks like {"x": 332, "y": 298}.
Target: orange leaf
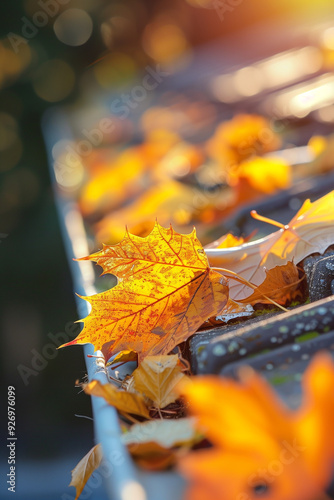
{"x": 168, "y": 292}
{"x": 281, "y": 285}
{"x": 156, "y": 378}
{"x": 258, "y": 177}
{"x": 109, "y": 188}
{"x": 227, "y": 241}
{"x": 241, "y": 138}
{"x": 122, "y": 400}
{"x": 258, "y": 442}
{"x": 170, "y": 201}
{"x": 315, "y": 416}
{"x": 309, "y": 231}
{"x": 87, "y": 465}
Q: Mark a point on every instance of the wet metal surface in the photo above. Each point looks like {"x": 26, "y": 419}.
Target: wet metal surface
{"x": 268, "y": 334}
{"x": 319, "y": 271}
{"x": 284, "y": 367}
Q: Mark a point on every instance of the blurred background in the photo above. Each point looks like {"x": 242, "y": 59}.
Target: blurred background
{"x": 75, "y": 59}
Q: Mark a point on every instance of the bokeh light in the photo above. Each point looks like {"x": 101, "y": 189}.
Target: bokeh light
{"x": 114, "y": 70}
{"x": 164, "y": 40}
{"x": 54, "y": 80}
{"x": 12, "y": 64}
{"x": 73, "y": 27}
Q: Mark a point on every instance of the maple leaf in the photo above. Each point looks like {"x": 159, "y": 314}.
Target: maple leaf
{"x": 124, "y": 401}
{"x": 281, "y": 285}
{"x": 251, "y": 430}
{"x": 87, "y": 465}
{"x": 156, "y": 378}
{"x": 309, "y": 231}
{"x": 166, "y": 290}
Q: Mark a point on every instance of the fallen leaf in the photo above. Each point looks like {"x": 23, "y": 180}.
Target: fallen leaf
{"x": 156, "y": 378}
{"x": 259, "y": 177}
{"x": 242, "y": 137}
{"x": 227, "y": 241}
{"x": 258, "y": 443}
{"x": 314, "y": 418}
{"x": 123, "y": 357}
{"x": 152, "y": 456}
{"x": 166, "y": 433}
{"x": 168, "y": 292}
{"x": 181, "y": 160}
{"x": 124, "y": 401}
{"x": 310, "y": 231}
{"x": 87, "y": 465}
{"x": 282, "y": 284}
{"x": 153, "y": 444}
{"x": 109, "y": 188}
{"x": 169, "y": 201}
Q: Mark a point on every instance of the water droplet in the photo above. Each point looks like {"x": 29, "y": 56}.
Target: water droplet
{"x": 233, "y": 346}
{"x": 219, "y": 350}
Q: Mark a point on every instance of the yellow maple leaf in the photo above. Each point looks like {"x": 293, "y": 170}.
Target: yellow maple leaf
{"x": 168, "y": 292}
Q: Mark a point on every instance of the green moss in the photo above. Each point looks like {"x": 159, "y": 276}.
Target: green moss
{"x": 307, "y": 336}
{"x": 200, "y": 349}
{"x": 265, "y": 351}
{"x": 281, "y": 379}
{"x": 261, "y": 312}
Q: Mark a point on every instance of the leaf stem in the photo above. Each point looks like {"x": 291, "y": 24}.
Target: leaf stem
{"x": 261, "y": 218}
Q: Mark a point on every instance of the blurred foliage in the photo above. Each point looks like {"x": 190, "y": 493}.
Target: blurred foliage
{"x": 56, "y": 64}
